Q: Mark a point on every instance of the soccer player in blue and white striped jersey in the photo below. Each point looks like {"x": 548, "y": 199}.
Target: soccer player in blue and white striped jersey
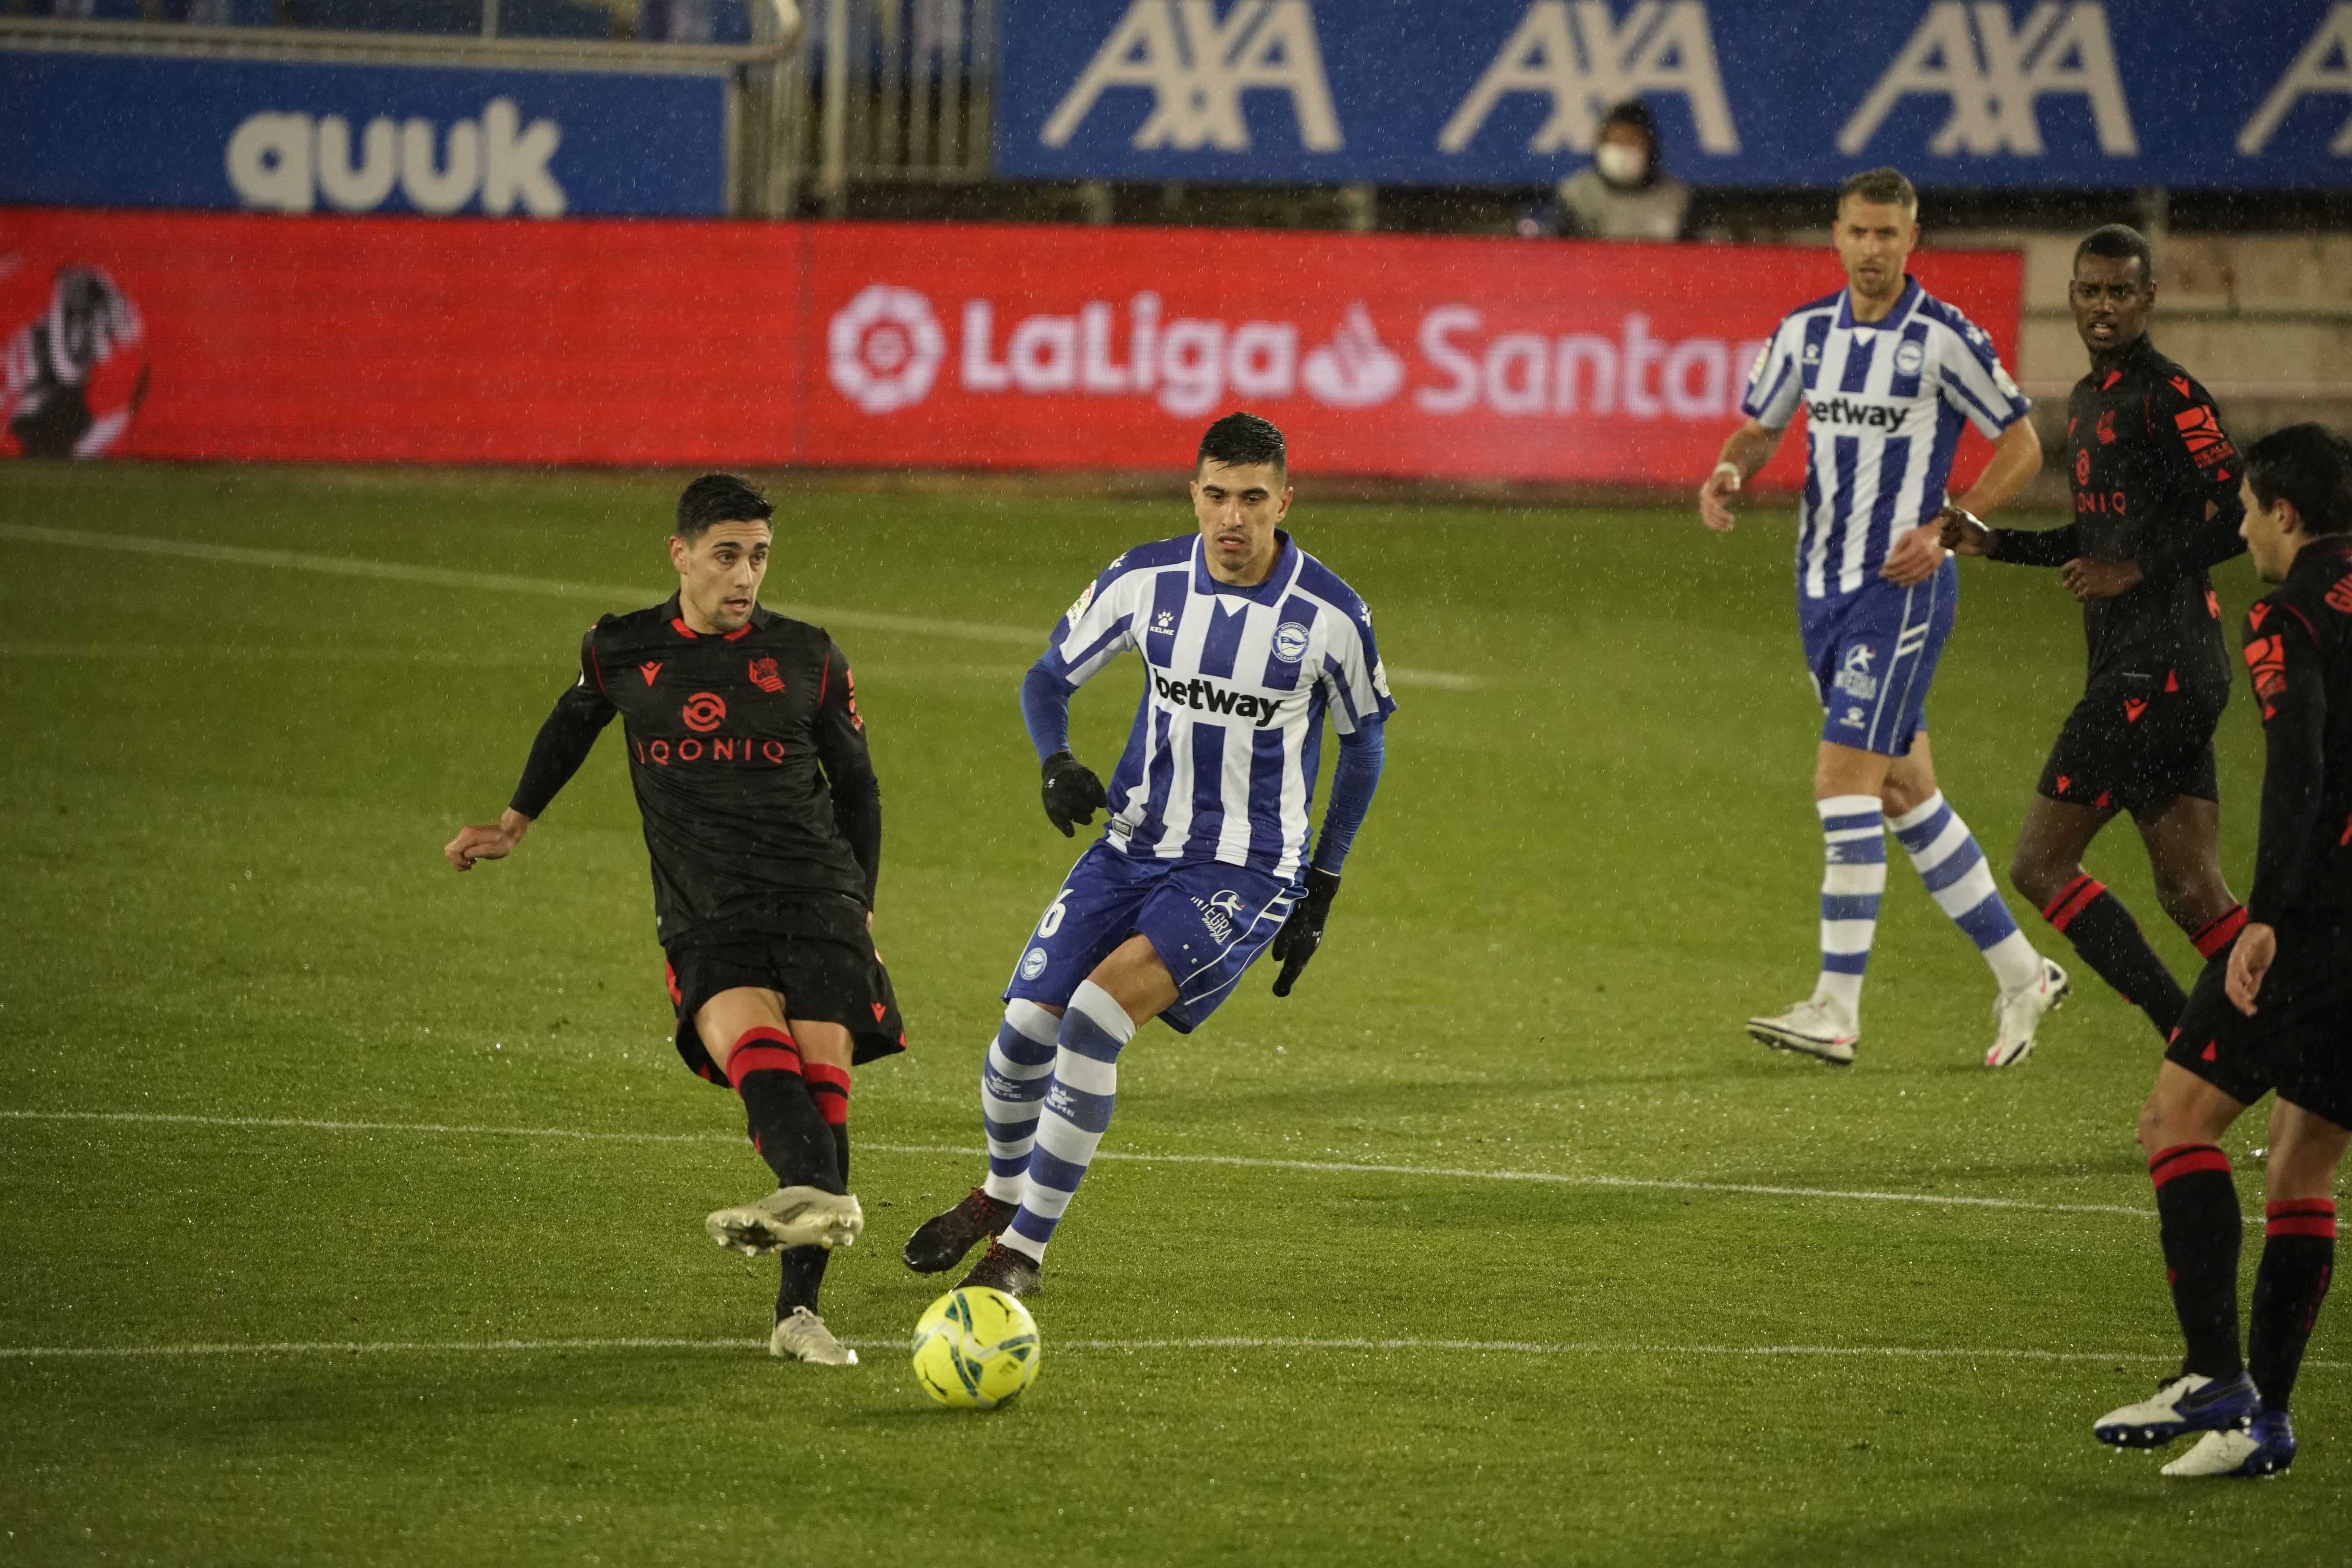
{"x": 1887, "y": 375}
{"x": 1250, "y": 647}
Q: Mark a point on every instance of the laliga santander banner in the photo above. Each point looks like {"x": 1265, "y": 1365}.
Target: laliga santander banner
{"x": 897, "y": 344}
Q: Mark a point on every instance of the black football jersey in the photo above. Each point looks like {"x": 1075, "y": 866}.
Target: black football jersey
{"x": 2299, "y": 652}
{"x": 2155, "y": 481}
{"x": 748, "y": 756}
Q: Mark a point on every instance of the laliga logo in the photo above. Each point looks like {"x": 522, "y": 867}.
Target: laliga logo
{"x": 704, "y": 711}
{"x": 883, "y": 347}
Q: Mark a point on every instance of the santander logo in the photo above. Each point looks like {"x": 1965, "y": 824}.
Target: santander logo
{"x": 886, "y": 349}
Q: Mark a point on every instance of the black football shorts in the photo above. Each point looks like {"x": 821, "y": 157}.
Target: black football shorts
{"x": 2298, "y": 1043}
{"x": 2135, "y": 741}
{"x": 815, "y": 952}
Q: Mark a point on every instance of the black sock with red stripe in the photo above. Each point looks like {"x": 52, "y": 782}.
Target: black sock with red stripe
{"x": 2111, "y": 943}
{"x": 787, "y": 1128}
{"x": 805, "y": 1266}
{"x": 2298, "y": 1256}
{"x": 2197, "y": 1212}
{"x": 2214, "y": 937}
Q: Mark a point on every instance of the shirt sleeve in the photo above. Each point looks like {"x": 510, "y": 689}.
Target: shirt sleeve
{"x": 2036, "y": 546}
{"x": 2199, "y": 459}
{"x": 2284, "y": 658}
{"x": 849, "y": 768}
{"x": 1773, "y": 384}
{"x": 1353, "y": 677}
{"x": 1971, "y": 378}
{"x": 567, "y": 737}
{"x": 1098, "y": 625}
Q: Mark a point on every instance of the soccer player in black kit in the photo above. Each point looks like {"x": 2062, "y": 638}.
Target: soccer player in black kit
{"x": 2156, "y": 505}
{"x": 748, "y": 756}
{"x": 2276, "y": 1013}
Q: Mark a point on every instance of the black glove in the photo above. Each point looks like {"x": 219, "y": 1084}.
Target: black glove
{"x": 1302, "y": 934}
{"x": 1071, "y": 792}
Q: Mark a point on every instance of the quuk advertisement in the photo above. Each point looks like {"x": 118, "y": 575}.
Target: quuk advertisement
{"x": 895, "y": 345}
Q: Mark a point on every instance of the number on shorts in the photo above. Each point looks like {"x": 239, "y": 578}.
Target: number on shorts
{"x": 1054, "y": 913}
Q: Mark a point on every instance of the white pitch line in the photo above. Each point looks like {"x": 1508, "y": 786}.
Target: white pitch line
{"x": 1240, "y": 1161}
{"x": 548, "y": 587}
{"x": 1223, "y": 1343}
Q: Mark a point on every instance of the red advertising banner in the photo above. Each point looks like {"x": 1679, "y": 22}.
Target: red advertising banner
{"x": 896, "y": 345}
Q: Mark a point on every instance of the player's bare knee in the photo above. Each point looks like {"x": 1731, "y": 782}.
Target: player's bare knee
{"x": 2036, "y": 877}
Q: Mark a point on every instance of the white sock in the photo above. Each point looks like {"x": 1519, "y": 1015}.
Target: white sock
{"x": 1853, "y": 879}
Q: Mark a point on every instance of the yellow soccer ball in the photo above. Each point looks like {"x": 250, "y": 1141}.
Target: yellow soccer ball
{"x": 975, "y": 1349}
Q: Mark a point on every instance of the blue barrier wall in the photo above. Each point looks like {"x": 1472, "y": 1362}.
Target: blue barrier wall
{"x": 133, "y": 130}
{"x": 2073, "y": 92}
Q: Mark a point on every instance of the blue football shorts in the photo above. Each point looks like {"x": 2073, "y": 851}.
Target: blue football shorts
{"x": 1206, "y": 920}
{"x": 1872, "y": 654}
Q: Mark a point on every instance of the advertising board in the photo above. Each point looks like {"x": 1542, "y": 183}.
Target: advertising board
{"x": 108, "y": 130}
{"x": 2104, "y": 93}
{"x": 902, "y": 344}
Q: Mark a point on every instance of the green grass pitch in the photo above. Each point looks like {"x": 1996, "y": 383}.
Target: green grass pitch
{"x": 224, "y": 786}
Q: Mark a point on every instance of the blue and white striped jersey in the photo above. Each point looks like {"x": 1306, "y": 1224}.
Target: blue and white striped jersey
{"x": 1220, "y": 764}
{"x": 1884, "y": 402}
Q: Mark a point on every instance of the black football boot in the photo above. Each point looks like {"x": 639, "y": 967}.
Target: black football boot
{"x": 1002, "y": 1268}
{"x": 941, "y": 1241}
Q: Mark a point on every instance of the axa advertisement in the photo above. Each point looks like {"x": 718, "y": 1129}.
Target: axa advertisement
{"x": 281, "y": 136}
{"x": 2114, "y": 93}
{"x": 205, "y": 336}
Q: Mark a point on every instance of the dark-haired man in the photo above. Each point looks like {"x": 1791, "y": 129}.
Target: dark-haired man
{"x": 2275, "y": 1013}
{"x": 1249, "y": 644}
{"x": 748, "y": 756}
{"x": 2156, "y": 504}
{"x": 1889, "y": 374}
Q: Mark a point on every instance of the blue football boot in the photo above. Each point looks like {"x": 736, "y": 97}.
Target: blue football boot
{"x": 2190, "y": 1402}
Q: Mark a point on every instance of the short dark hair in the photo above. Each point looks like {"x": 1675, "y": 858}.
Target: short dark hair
{"x": 718, "y": 497}
{"x": 2117, "y": 241}
{"x": 1888, "y": 187}
{"x": 1242, "y": 439}
{"x": 2309, "y": 466}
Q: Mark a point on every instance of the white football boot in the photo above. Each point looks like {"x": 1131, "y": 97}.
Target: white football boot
{"x": 2020, "y": 1013}
{"x": 788, "y": 1217}
{"x": 803, "y": 1336}
{"x": 2266, "y": 1447}
{"x": 1818, "y": 1028}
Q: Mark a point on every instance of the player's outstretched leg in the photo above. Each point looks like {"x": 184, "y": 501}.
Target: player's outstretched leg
{"x": 1949, "y": 862}
{"x": 1077, "y": 1107}
{"x": 1013, "y": 1086}
{"x": 811, "y": 1205}
{"x": 1853, "y": 879}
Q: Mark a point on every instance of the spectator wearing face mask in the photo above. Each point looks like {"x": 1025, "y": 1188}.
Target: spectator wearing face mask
{"x": 1624, "y": 194}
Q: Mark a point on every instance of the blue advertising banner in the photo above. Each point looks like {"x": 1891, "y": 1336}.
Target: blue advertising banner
{"x": 141, "y": 130}
{"x": 1956, "y": 93}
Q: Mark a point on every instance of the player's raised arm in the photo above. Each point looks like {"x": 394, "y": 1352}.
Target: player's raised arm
{"x": 564, "y": 743}
{"x": 849, "y": 768}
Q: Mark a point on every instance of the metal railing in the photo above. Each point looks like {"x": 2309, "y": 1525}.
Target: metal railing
{"x": 898, "y": 91}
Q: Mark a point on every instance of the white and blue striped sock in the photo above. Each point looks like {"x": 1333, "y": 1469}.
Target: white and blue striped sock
{"x": 1077, "y": 1113}
{"x": 1011, "y": 1086}
{"x": 1853, "y": 879}
{"x": 1954, "y": 867}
